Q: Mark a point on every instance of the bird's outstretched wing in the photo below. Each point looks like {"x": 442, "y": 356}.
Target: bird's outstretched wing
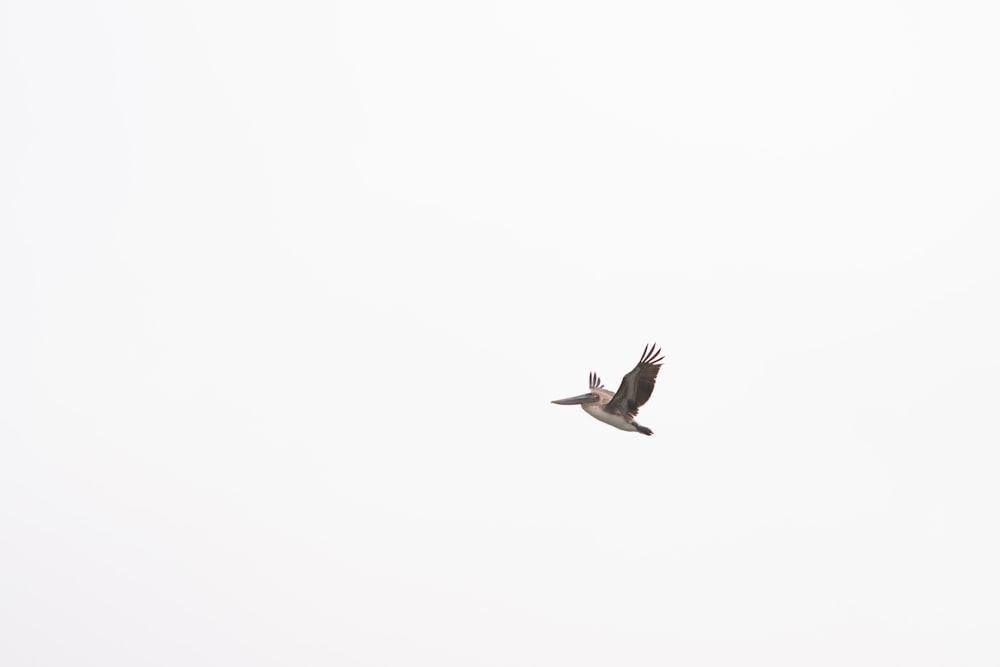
{"x": 637, "y": 386}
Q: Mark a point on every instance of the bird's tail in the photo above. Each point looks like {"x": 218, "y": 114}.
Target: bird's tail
{"x": 642, "y": 429}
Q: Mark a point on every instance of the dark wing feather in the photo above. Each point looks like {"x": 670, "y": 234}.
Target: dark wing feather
{"x": 595, "y": 382}
{"x": 637, "y": 386}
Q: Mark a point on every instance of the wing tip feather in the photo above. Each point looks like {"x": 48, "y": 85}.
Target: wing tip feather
{"x": 651, "y": 354}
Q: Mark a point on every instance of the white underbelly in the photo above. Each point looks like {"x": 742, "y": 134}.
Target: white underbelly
{"x": 614, "y": 420}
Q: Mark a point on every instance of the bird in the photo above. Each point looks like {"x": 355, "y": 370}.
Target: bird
{"x": 619, "y": 409}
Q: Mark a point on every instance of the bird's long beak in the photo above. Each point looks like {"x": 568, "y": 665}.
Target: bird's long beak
{"x": 577, "y": 400}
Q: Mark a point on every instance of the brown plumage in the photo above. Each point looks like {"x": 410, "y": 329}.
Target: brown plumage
{"x": 619, "y": 409}
{"x": 637, "y": 386}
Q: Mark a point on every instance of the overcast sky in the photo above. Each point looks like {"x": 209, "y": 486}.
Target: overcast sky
{"x": 287, "y": 289}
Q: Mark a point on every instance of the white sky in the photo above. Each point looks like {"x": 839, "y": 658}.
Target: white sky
{"x": 287, "y": 289}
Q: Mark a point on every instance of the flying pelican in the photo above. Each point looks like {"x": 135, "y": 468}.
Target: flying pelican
{"x": 619, "y": 409}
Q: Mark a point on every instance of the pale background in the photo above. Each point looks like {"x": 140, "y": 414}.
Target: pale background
{"x": 288, "y": 286}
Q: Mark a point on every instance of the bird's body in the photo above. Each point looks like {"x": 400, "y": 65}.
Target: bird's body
{"x": 598, "y": 411}
{"x": 620, "y": 408}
